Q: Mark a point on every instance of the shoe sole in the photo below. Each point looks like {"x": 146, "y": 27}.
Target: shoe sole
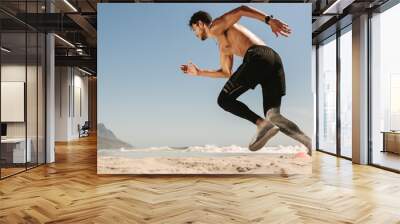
{"x": 264, "y": 139}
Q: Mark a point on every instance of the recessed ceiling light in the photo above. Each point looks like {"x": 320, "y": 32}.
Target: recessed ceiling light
{"x": 64, "y": 40}
{"x": 334, "y": 7}
{"x": 70, "y": 5}
{"x": 5, "y": 49}
{"x": 84, "y": 71}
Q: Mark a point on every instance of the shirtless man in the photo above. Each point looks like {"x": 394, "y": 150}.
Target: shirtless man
{"x": 261, "y": 65}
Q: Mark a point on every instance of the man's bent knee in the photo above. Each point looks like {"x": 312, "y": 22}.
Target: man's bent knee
{"x": 224, "y": 100}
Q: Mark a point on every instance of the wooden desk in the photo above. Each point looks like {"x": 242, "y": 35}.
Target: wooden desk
{"x": 391, "y": 141}
{"x": 13, "y": 150}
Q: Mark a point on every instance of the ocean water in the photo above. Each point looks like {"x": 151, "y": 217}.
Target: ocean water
{"x": 198, "y": 151}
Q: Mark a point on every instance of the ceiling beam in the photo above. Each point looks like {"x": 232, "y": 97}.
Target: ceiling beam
{"x": 82, "y": 61}
{"x": 86, "y": 26}
{"x": 337, "y": 6}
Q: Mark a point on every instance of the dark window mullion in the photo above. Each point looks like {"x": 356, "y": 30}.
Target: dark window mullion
{"x": 26, "y": 86}
{"x": 317, "y": 96}
{"x": 338, "y": 81}
{"x": 369, "y": 90}
{"x": 37, "y": 90}
{"x": 0, "y": 98}
{"x": 44, "y": 78}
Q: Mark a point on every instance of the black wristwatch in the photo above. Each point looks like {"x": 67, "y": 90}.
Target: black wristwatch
{"x": 268, "y": 18}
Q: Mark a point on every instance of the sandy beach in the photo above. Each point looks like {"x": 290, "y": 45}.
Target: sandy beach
{"x": 205, "y": 160}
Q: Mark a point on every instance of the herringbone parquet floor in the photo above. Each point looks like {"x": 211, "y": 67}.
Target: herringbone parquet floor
{"x": 70, "y": 191}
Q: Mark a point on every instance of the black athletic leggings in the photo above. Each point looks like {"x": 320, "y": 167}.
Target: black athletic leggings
{"x": 261, "y": 65}
{"x": 227, "y": 99}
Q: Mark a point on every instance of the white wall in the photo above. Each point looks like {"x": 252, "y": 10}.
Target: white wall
{"x": 16, "y": 73}
{"x": 61, "y": 103}
{"x": 70, "y": 83}
{"x": 79, "y": 117}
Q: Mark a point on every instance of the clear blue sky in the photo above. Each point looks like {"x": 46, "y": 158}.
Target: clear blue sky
{"x": 146, "y": 100}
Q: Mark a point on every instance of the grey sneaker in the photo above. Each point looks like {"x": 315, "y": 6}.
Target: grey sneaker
{"x": 264, "y": 133}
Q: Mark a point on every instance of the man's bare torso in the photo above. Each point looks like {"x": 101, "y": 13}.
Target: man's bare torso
{"x": 236, "y": 40}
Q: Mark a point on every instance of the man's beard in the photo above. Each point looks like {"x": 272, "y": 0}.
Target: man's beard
{"x": 203, "y": 37}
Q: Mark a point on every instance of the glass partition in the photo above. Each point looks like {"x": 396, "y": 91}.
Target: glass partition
{"x": 14, "y": 153}
{"x": 22, "y": 77}
{"x": 31, "y": 100}
{"x": 33, "y": 56}
{"x": 385, "y": 89}
{"x": 346, "y": 92}
{"x": 41, "y": 96}
{"x": 327, "y": 95}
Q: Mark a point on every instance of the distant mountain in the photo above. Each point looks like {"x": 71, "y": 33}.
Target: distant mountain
{"x": 106, "y": 139}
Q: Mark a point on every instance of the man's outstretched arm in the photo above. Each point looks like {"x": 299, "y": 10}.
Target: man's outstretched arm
{"x": 225, "y": 21}
{"x": 224, "y": 72}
